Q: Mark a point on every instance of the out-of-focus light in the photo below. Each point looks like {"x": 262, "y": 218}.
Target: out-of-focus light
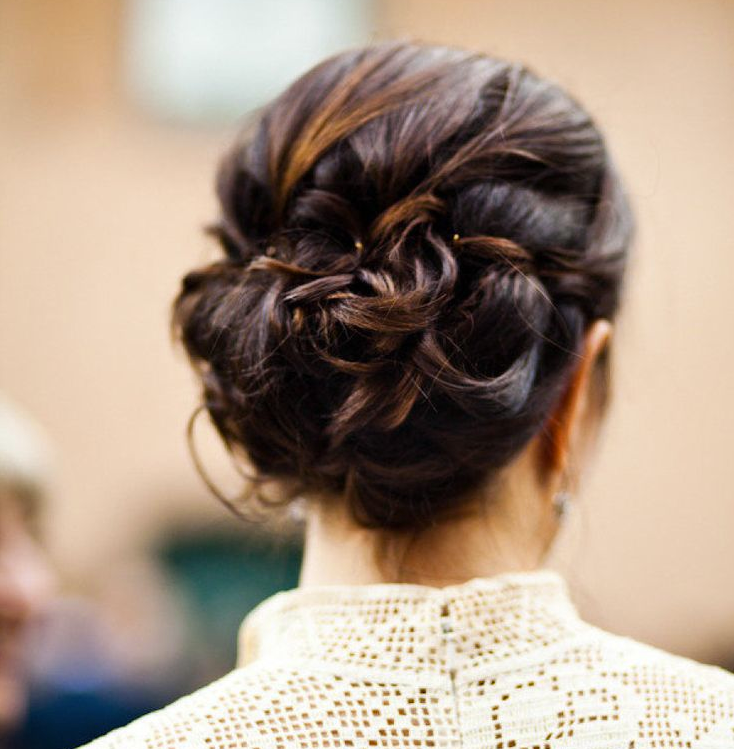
{"x": 212, "y": 60}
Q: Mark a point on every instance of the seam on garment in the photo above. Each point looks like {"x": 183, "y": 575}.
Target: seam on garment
{"x": 448, "y": 635}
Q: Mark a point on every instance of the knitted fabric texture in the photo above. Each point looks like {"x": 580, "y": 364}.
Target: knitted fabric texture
{"x": 502, "y": 662}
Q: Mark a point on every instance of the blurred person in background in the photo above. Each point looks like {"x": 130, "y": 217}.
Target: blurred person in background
{"x": 424, "y": 252}
{"x": 25, "y": 577}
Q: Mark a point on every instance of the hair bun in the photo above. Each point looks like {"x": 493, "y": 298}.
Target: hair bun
{"x": 415, "y": 239}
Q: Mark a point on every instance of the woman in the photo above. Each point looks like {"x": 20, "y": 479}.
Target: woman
{"x": 424, "y": 252}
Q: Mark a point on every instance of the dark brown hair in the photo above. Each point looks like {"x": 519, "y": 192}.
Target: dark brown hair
{"x": 415, "y": 240}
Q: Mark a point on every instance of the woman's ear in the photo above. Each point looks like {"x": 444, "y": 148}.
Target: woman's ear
{"x": 565, "y": 430}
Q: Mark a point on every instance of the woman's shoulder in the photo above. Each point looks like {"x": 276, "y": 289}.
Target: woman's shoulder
{"x": 620, "y": 655}
{"x": 207, "y": 717}
{"x": 596, "y": 688}
{"x": 666, "y": 686}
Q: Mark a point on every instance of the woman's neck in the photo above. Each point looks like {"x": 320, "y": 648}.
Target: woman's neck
{"x": 509, "y": 534}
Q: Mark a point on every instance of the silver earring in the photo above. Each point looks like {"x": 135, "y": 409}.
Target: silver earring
{"x": 297, "y": 510}
{"x": 562, "y": 503}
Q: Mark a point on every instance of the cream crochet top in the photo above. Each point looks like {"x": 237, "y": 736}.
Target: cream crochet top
{"x": 502, "y": 662}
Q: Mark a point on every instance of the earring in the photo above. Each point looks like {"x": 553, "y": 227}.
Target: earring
{"x": 297, "y": 510}
{"x": 562, "y": 504}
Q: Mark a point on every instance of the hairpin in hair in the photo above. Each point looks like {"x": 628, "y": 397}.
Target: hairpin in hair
{"x": 358, "y": 246}
{"x": 455, "y": 238}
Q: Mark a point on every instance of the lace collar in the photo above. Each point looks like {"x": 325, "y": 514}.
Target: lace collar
{"x": 411, "y": 630}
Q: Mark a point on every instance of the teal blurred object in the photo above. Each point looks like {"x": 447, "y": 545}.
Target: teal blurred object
{"x": 220, "y": 575}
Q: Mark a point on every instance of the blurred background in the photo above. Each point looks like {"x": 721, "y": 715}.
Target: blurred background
{"x": 112, "y": 116}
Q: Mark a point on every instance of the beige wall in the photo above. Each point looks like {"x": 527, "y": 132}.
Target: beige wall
{"x": 100, "y": 213}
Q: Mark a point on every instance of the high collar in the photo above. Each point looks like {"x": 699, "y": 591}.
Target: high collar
{"x": 405, "y": 631}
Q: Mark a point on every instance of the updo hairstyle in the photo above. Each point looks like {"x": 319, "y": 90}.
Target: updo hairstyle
{"x": 415, "y": 239}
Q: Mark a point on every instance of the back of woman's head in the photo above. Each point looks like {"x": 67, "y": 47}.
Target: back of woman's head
{"x": 415, "y": 240}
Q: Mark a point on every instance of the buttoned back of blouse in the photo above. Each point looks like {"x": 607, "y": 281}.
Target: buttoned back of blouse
{"x": 502, "y": 662}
